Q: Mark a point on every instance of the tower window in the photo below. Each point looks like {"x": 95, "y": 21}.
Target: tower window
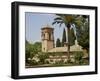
{"x": 49, "y": 36}
{"x": 43, "y": 36}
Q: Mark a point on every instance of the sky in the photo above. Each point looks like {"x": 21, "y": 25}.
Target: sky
{"x": 36, "y": 21}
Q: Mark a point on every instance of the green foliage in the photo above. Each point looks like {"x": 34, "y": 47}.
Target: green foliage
{"x": 37, "y": 47}
{"x": 81, "y": 23}
{"x": 83, "y": 34}
{"x": 79, "y": 57}
{"x": 32, "y": 62}
{"x": 66, "y": 19}
{"x": 26, "y": 42}
{"x": 58, "y": 43}
{"x": 31, "y": 50}
{"x": 54, "y": 53}
{"x": 28, "y": 51}
{"x": 72, "y": 37}
{"x": 64, "y": 37}
{"x": 42, "y": 56}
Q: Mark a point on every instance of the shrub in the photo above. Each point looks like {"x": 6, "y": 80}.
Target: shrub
{"x": 78, "y": 57}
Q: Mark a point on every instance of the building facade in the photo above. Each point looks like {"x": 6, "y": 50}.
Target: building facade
{"x": 47, "y": 35}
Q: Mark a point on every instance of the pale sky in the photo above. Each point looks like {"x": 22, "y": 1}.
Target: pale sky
{"x": 34, "y": 23}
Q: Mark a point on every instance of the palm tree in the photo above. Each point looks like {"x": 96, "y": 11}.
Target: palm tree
{"x": 68, "y": 20}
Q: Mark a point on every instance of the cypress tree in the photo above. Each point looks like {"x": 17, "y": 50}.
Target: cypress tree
{"x": 72, "y": 37}
{"x": 58, "y": 43}
{"x": 63, "y": 37}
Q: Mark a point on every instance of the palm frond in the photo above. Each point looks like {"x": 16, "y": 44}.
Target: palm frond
{"x": 54, "y": 22}
{"x": 61, "y": 24}
{"x": 58, "y": 18}
{"x": 58, "y": 22}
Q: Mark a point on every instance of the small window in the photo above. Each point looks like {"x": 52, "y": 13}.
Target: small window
{"x": 43, "y": 35}
{"x": 49, "y": 36}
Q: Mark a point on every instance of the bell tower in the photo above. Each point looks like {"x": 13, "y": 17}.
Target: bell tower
{"x": 47, "y": 36}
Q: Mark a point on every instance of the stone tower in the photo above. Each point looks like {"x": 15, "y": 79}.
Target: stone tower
{"x": 47, "y": 36}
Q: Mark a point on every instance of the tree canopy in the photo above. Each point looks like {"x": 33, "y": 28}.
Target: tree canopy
{"x": 58, "y": 43}
{"x": 32, "y": 49}
{"x": 72, "y": 37}
{"x": 83, "y": 34}
{"x": 81, "y": 23}
{"x": 63, "y": 37}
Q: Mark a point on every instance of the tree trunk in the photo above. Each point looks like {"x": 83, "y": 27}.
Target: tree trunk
{"x": 68, "y": 32}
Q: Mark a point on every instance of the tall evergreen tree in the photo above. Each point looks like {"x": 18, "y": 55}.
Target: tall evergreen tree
{"x": 83, "y": 34}
{"x": 72, "y": 37}
{"x": 58, "y": 43}
{"x": 63, "y": 37}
